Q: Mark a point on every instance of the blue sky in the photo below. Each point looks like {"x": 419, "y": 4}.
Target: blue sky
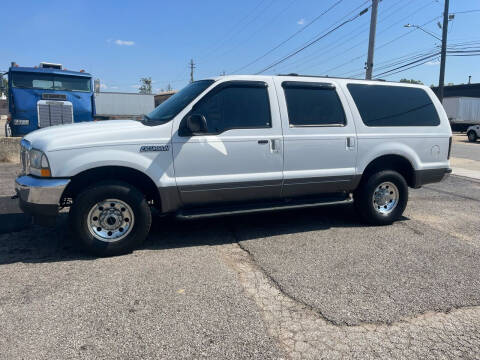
{"x": 122, "y": 41}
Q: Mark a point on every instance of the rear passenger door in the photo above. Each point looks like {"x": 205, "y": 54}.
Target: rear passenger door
{"x": 319, "y": 137}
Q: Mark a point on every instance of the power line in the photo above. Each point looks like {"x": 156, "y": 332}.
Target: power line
{"x": 466, "y": 11}
{"x": 324, "y": 49}
{"x": 262, "y": 25}
{"x": 414, "y": 66}
{"x": 359, "y": 33}
{"x": 406, "y": 59}
{"x": 231, "y": 32}
{"x": 289, "y": 38}
{"x": 314, "y": 41}
{"x": 393, "y": 62}
{"x": 381, "y": 46}
{"x": 427, "y": 58}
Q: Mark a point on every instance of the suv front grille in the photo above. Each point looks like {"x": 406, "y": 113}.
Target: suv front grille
{"x": 52, "y": 113}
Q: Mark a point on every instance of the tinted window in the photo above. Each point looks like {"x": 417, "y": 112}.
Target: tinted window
{"x": 235, "y": 106}
{"x": 313, "y": 104}
{"x": 167, "y": 110}
{"x": 381, "y": 105}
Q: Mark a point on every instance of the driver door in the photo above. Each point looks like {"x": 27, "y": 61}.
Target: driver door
{"x": 239, "y": 156}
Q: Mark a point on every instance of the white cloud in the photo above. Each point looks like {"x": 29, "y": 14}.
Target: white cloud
{"x": 301, "y": 21}
{"x": 103, "y": 86}
{"x": 135, "y": 86}
{"x": 433, "y": 63}
{"x": 124, "y": 42}
{"x": 113, "y": 87}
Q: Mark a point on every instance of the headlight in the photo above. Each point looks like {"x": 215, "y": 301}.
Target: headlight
{"x": 39, "y": 163}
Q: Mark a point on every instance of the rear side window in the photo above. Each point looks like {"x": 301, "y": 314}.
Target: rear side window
{"x": 381, "y": 105}
{"x": 313, "y": 104}
{"x": 236, "y": 105}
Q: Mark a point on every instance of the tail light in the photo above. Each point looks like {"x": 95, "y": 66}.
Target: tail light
{"x": 449, "y": 147}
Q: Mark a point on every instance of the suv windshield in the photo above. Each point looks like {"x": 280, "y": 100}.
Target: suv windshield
{"x": 50, "y": 82}
{"x": 167, "y": 110}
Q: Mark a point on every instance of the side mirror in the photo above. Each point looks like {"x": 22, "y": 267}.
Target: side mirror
{"x": 197, "y": 124}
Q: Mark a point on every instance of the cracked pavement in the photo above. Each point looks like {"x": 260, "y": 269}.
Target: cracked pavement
{"x": 312, "y": 284}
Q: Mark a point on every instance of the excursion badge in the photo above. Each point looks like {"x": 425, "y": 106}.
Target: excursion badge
{"x": 149, "y": 148}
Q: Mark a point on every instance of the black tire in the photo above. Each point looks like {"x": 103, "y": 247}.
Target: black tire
{"x": 364, "y": 195}
{"x": 472, "y": 136}
{"x": 95, "y": 194}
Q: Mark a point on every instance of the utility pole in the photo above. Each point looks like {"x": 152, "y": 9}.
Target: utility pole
{"x": 192, "y": 66}
{"x": 371, "y": 40}
{"x": 443, "y": 57}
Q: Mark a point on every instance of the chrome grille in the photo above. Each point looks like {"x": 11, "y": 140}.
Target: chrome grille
{"x": 52, "y": 113}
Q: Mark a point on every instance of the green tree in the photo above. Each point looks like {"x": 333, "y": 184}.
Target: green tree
{"x": 411, "y": 81}
{"x": 146, "y": 85}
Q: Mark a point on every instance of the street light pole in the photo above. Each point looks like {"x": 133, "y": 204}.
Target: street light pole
{"x": 443, "y": 57}
{"x": 421, "y": 28}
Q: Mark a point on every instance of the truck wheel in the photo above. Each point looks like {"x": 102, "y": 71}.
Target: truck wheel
{"x": 382, "y": 198}
{"x": 110, "y": 218}
{"x": 472, "y": 136}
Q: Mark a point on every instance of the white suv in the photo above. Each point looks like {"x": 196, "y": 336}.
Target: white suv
{"x": 239, "y": 144}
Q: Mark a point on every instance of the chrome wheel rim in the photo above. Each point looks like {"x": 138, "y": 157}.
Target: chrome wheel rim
{"x": 385, "y": 198}
{"x": 110, "y": 220}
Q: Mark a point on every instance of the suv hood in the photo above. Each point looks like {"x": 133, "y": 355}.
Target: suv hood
{"x": 97, "y": 133}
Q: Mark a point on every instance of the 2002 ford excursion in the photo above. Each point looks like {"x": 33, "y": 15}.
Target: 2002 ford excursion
{"x": 239, "y": 144}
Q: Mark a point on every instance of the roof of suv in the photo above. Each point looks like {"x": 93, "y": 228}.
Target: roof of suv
{"x": 319, "y": 77}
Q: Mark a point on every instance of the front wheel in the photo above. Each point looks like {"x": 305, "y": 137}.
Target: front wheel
{"x": 472, "y": 136}
{"x": 382, "y": 197}
{"x": 110, "y": 218}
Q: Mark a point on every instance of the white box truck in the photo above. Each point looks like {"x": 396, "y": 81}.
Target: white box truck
{"x": 462, "y": 112}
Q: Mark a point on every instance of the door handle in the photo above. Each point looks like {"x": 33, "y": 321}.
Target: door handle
{"x": 350, "y": 142}
{"x": 263, "y": 141}
{"x": 275, "y": 146}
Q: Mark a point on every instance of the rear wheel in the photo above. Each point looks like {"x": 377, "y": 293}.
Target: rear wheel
{"x": 382, "y": 197}
{"x": 110, "y": 218}
{"x": 472, "y": 136}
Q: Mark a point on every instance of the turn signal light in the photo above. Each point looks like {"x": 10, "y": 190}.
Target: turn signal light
{"x": 45, "y": 172}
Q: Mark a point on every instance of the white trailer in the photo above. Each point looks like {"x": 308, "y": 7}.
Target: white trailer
{"x": 462, "y": 111}
{"x": 111, "y": 105}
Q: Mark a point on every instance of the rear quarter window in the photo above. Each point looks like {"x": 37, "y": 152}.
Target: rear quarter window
{"x": 383, "y": 105}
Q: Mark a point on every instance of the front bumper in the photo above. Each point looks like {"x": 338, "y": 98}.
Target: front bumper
{"x": 40, "y": 197}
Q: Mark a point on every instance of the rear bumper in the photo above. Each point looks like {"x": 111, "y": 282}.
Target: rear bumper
{"x": 429, "y": 176}
{"x": 40, "y": 197}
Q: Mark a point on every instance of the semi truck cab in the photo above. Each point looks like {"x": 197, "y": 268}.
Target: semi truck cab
{"x": 47, "y": 95}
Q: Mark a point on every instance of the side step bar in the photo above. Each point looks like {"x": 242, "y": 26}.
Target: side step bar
{"x": 206, "y": 213}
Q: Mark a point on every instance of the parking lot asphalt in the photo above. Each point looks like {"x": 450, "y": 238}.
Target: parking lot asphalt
{"x": 311, "y": 283}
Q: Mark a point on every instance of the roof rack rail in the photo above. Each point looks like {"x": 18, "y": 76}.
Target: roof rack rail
{"x": 326, "y": 76}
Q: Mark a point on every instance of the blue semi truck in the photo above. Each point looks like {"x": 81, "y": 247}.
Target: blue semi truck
{"x": 47, "y": 95}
